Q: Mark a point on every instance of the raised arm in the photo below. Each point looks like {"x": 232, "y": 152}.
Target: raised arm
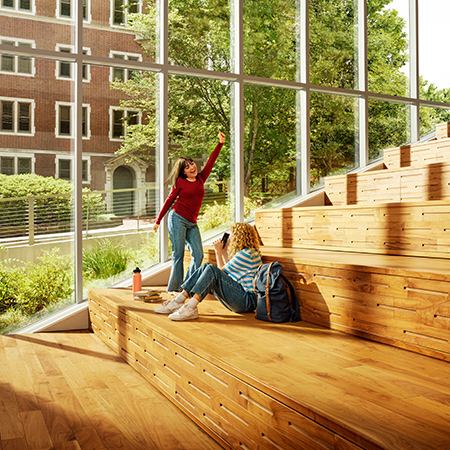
{"x": 204, "y": 174}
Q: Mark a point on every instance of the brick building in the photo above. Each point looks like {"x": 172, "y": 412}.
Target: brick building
{"x": 36, "y": 95}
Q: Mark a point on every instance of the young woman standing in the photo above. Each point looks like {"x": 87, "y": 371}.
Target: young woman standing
{"x": 186, "y": 196}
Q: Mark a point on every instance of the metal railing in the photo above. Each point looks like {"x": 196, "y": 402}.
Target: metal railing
{"x": 31, "y": 219}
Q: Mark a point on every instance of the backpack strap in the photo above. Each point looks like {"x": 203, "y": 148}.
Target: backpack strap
{"x": 269, "y": 316}
{"x": 256, "y": 276}
{"x": 254, "y": 282}
{"x": 293, "y": 303}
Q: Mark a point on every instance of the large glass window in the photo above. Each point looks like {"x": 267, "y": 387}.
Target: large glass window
{"x": 332, "y": 28}
{"x": 388, "y": 126}
{"x": 333, "y": 135}
{"x": 290, "y": 96}
{"x": 270, "y": 39}
{"x": 270, "y": 151}
{"x": 433, "y": 66}
{"x": 388, "y": 47}
{"x": 199, "y": 34}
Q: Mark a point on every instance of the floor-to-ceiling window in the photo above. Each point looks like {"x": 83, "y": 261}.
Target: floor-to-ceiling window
{"x": 98, "y": 98}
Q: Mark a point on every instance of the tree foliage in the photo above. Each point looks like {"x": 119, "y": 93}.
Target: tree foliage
{"x": 199, "y": 37}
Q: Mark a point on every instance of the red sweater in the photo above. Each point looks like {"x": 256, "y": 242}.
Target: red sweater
{"x": 189, "y": 194}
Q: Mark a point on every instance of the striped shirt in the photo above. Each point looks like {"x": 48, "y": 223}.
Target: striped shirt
{"x": 242, "y": 267}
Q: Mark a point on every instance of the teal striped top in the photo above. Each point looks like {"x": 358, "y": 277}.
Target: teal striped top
{"x": 242, "y": 267}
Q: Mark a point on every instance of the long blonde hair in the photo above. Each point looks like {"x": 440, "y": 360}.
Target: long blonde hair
{"x": 243, "y": 235}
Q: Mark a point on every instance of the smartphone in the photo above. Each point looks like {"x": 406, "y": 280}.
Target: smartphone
{"x": 225, "y": 239}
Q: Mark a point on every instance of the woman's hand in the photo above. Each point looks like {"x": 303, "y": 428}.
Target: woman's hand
{"x": 155, "y": 227}
{"x": 218, "y": 246}
{"x": 221, "y": 137}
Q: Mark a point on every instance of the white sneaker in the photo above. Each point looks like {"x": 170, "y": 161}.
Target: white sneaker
{"x": 168, "y": 307}
{"x": 186, "y": 312}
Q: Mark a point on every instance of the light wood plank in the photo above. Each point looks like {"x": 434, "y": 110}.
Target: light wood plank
{"x": 71, "y": 409}
{"x": 233, "y": 372}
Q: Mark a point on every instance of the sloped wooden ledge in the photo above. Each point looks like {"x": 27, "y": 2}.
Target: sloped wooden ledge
{"x": 251, "y": 384}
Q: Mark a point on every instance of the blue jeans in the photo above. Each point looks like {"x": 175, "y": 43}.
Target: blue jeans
{"x": 229, "y": 292}
{"x": 183, "y": 232}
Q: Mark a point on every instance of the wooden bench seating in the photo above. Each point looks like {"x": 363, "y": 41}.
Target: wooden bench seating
{"x": 417, "y": 155}
{"x": 400, "y": 301}
{"x": 251, "y": 384}
{"x": 414, "y": 229}
{"x": 409, "y": 184}
{"x": 414, "y": 172}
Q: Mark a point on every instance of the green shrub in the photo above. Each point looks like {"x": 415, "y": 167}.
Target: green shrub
{"x": 33, "y": 286}
{"x": 56, "y": 205}
{"x": 45, "y": 282}
{"x": 10, "y": 280}
{"x": 219, "y": 214}
{"x": 214, "y": 216}
{"x": 106, "y": 259}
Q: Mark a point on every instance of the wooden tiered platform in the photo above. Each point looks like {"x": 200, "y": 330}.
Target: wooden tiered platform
{"x": 252, "y": 384}
{"x": 374, "y": 266}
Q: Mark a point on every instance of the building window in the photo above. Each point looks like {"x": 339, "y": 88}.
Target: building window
{"x": 7, "y": 165}
{"x": 16, "y": 116}
{"x": 120, "y": 118}
{"x": 18, "y": 5}
{"x": 65, "y": 119}
{"x": 12, "y": 165}
{"x": 24, "y": 165}
{"x": 119, "y": 7}
{"x": 120, "y": 73}
{"x": 64, "y": 169}
{"x": 17, "y": 65}
{"x": 65, "y": 9}
{"x": 64, "y": 68}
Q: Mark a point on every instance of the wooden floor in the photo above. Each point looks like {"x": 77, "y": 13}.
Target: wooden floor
{"x": 70, "y": 391}
{"x": 356, "y": 393}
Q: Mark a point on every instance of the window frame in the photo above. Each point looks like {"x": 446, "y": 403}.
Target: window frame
{"x": 112, "y": 110}
{"x": 87, "y": 8}
{"x": 17, "y": 58}
{"x": 16, "y": 116}
{"x": 16, "y": 7}
{"x": 86, "y": 175}
{"x": 124, "y": 4}
{"x": 16, "y": 157}
{"x": 71, "y": 134}
{"x": 126, "y": 57}
{"x": 59, "y": 64}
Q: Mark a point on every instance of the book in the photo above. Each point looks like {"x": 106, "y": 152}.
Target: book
{"x": 147, "y": 295}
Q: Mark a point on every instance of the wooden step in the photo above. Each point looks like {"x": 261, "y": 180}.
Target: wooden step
{"x": 409, "y": 184}
{"x": 399, "y": 301}
{"x": 417, "y": 155}
{"x": 414, "y": 229}
{"x": 252, "y": 384}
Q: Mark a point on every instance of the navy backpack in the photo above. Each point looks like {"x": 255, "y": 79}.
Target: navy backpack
{"x": 276, "y": 300}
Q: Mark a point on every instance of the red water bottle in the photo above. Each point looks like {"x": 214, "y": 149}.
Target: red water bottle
{"x": 137, "y": 280}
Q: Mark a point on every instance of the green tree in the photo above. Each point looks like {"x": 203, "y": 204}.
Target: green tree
{"x": 199, "y": 37}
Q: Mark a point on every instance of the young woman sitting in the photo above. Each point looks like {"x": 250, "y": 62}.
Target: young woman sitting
{"x": 231, "y": 281}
